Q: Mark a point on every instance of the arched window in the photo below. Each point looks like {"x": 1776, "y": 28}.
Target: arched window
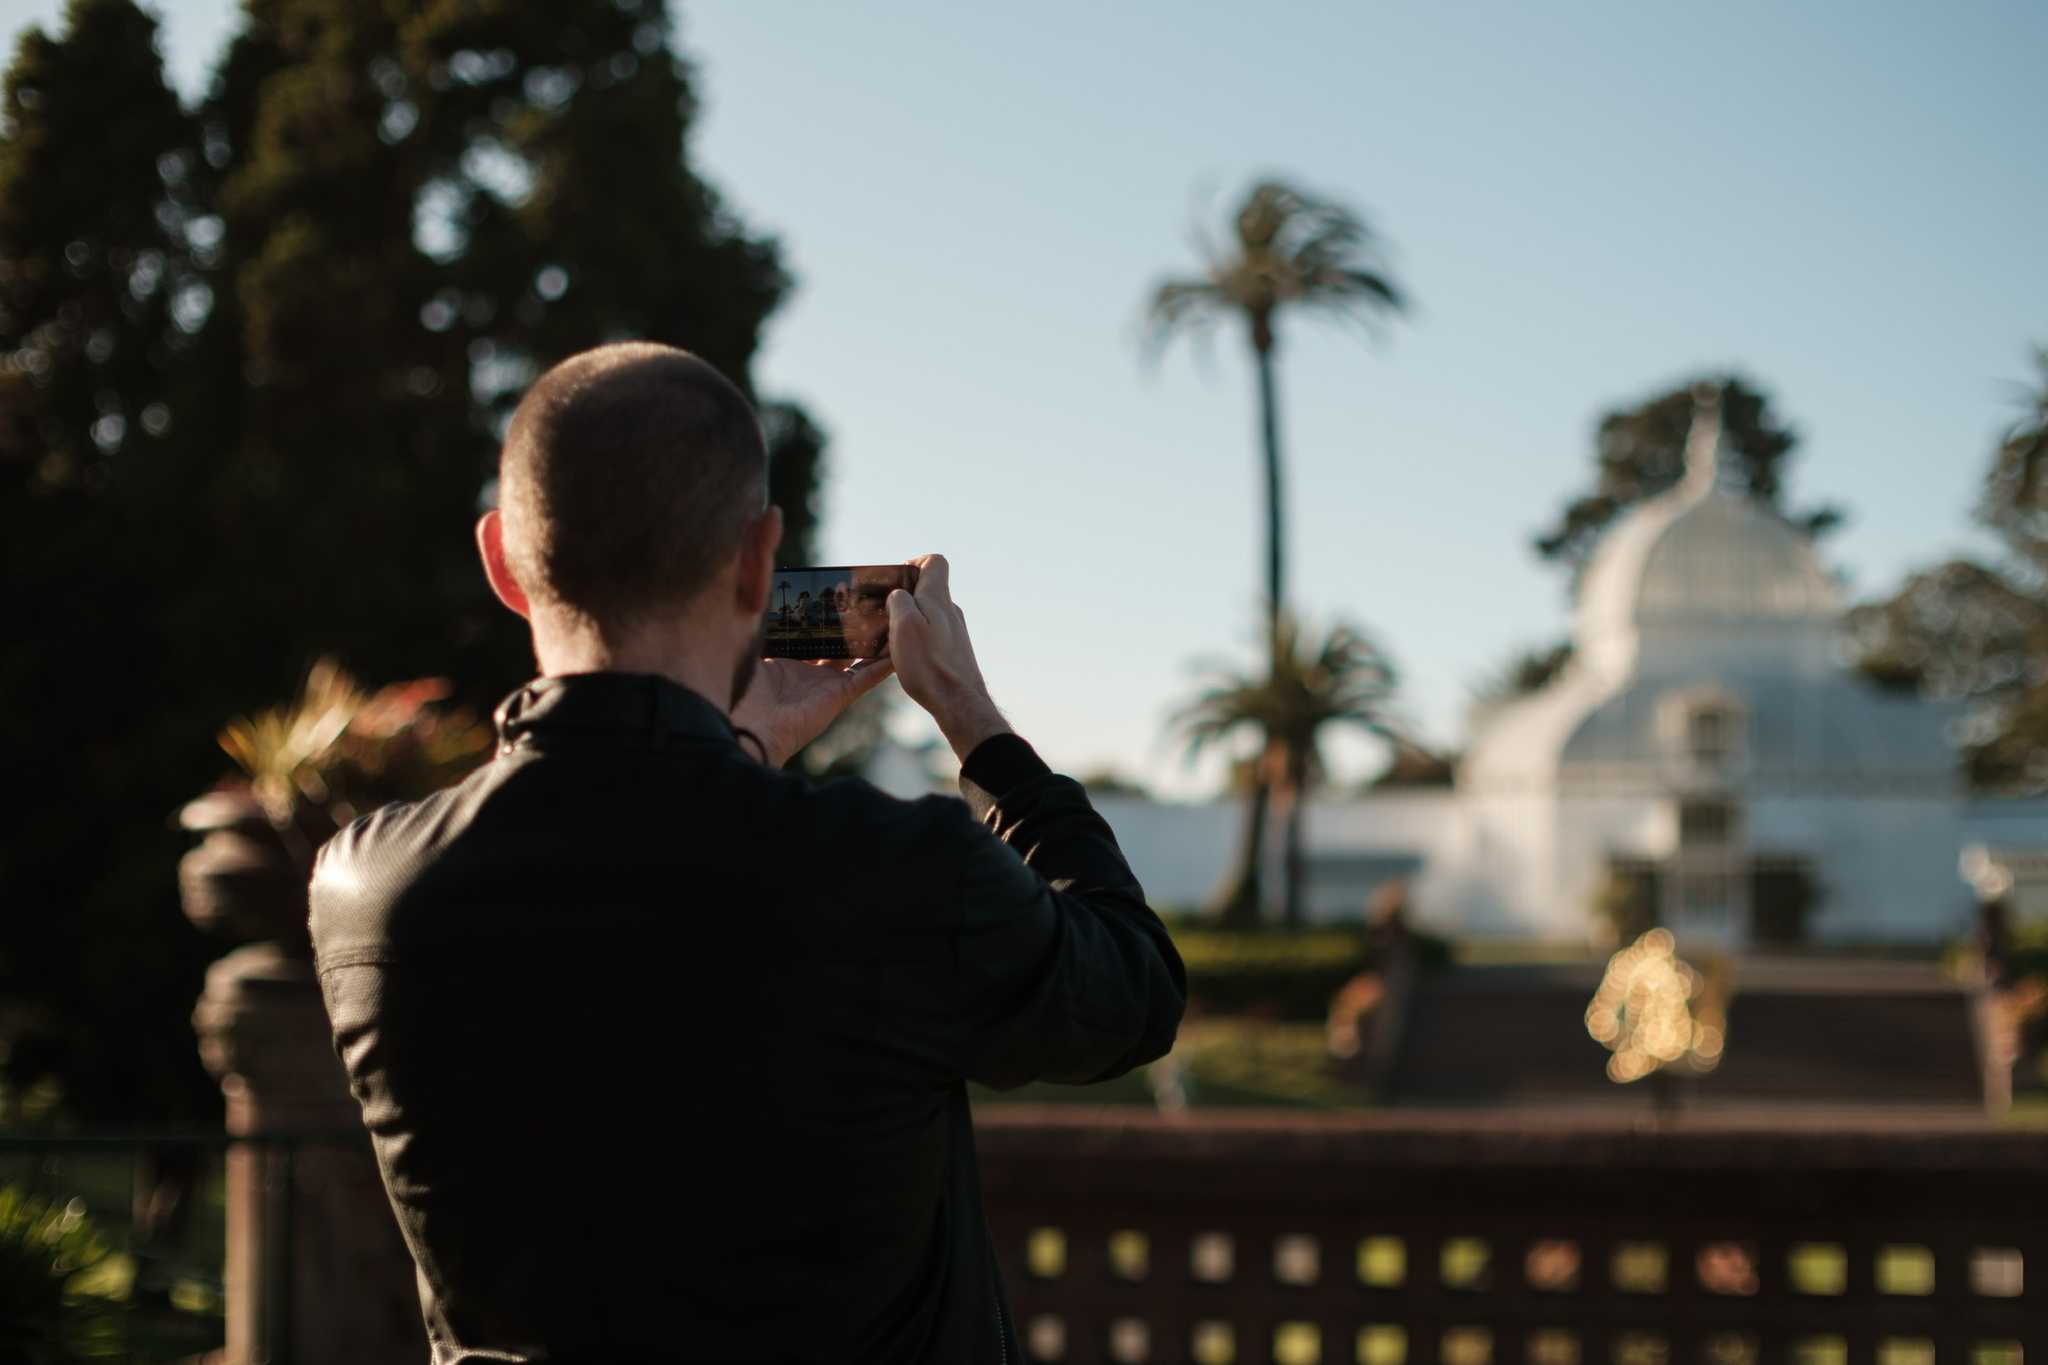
{"x": 1709, "y": 736}
{"x": 1703, "y": 731}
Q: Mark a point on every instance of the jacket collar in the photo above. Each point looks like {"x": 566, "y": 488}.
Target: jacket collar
{"x": 635, "y": 710}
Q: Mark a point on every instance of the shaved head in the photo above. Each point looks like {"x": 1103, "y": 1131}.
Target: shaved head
{"x": 628, "y": 477}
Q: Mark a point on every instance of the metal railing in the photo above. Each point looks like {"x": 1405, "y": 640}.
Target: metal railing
{"x": 1392, "y": 1240}
{"x": 1387, "y": 1239}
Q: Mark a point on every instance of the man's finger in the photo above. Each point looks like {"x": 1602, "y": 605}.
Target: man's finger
{"x": 934, "y": 578}
{"x": 902, "y": 607}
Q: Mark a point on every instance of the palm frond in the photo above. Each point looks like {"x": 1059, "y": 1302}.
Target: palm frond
{"x": 337, "y": 742}
{"x": 284, "y": 748}
{"x": 1290, "y": 248}
{"x": 1179, "y": 308}
{"x": 1314, "y": 681}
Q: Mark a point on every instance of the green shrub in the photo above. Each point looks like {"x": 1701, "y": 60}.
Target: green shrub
{"x": 1277, "y": 973}
{"x": 48, "y": 1314}
{"x": 1282, "y": 973}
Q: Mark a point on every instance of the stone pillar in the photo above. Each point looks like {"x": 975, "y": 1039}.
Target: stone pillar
{"x": 317, "y": 1273}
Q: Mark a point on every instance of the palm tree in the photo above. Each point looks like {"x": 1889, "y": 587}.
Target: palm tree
{"x": 1293, "y": 252}
{"x": 1310, "y": 683}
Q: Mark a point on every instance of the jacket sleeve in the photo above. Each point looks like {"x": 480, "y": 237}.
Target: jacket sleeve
{"x": 1065, "y": 974}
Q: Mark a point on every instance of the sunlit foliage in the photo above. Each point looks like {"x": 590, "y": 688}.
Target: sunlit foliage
{"x": 1977, "y": 632}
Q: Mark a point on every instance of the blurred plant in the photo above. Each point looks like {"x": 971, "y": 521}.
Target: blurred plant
{"x": 1264, "y": 1062}
{"x": 1522, "y": 674}
{"x": 1654, "y": 1011}
{"x": 48, "y": 1310}
{"x": 1416, "y": 765}
{"x": 1975, "y": 632}
{"x": 349, "y": 750}
{"x": 1314, "y": 682}
{"x": 1292, "y": 253}
{"x": 1640, "y": 452}
{"x": 1270, "y": 973}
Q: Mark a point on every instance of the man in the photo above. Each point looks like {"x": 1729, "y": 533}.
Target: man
{"x": 663, "y": 1049}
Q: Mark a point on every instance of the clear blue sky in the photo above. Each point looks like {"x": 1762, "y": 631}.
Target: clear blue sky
{"x": 1588, "y": 200}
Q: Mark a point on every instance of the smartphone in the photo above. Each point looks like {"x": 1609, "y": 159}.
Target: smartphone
{"x": 840, "y": 613}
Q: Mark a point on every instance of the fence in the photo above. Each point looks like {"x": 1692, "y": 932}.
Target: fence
{"x": 1386, "y": 1240}
{"x": 1306, "y": 1239}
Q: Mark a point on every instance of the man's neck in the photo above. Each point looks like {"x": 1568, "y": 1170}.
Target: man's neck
{"x": 684, "y": 649}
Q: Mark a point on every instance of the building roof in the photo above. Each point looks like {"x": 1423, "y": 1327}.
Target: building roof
{"x": 1702, "y": 592}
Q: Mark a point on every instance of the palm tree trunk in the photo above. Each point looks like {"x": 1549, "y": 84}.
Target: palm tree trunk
{"x": 1292, "y": 911}
{"x": 1240, "y": 906}
{"x": 1269, "y": 429}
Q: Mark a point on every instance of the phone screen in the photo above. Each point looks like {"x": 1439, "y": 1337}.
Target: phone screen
{"x": 835, "y": 613}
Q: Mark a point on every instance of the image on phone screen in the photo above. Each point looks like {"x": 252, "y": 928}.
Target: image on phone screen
{"x": 833, "y": 613}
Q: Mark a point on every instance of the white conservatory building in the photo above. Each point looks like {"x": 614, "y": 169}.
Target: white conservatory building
{"x": 1705, "y": 749}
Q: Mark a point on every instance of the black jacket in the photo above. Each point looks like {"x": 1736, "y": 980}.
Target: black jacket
{"x": 664, "y": 1052}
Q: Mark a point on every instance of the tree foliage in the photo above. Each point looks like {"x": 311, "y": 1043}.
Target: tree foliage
{"x": 1978, "y": 632}
{"x": 1292, "y": 251}
{"x": 1640, "y": 452}
{"x": 1313, "y": 681}
{"x": 1522, "y": 673}
{"x": 104, "y": 258}
{"x": 255, "y": 360}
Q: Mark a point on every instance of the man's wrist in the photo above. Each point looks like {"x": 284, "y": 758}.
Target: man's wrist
{"x": 997, "y": 767}
{"x": 967, "y": 727}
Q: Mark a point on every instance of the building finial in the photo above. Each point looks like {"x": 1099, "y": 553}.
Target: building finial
{"x": 1703, "y": 442}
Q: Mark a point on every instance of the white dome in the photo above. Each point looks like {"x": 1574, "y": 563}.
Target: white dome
{"x": 1722, "y": 559}
{"x": 1703, "y": 587}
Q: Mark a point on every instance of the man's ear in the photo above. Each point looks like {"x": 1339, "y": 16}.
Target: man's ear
{"x": 490, "y": 543}
{"x": 757, "y": 559}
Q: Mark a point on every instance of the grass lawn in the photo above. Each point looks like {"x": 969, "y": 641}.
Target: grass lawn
{"x": 1226, "y": 1061}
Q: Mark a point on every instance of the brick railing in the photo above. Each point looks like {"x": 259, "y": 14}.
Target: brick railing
{"x": 1392, "y": 1240}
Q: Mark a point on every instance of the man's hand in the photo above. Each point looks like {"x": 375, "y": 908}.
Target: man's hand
{"x": 790, "y": 701}
{"x": 935, "y": 659}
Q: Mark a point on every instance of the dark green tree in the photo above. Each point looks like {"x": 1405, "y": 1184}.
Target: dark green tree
{"x": 102, "y": 298}
{"x": 254, "y": 365}
{"x": 425, "y": 206}
{"x": 1977, "y": 632}
{"x": 1640, "y": 452}
{"x": 796, "y": 474}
